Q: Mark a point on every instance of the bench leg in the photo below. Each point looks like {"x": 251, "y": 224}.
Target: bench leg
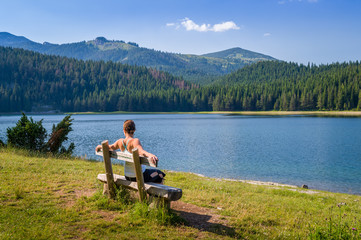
{"x": 105, "y": 189}
{"x": 157, "y": 202}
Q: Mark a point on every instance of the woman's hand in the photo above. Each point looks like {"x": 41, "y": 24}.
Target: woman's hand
{"x": 153, "y": 159}
{"x": 98, "y": 148}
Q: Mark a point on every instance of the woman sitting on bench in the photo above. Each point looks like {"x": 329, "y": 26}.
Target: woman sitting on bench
{"x": 126, "y": 145}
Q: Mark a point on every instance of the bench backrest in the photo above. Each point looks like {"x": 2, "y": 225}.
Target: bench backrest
{"x": 133, "y": 158}
{"x": 127, "y": 157}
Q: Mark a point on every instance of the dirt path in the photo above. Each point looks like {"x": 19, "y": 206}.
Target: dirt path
{"x": 204, "y": 219}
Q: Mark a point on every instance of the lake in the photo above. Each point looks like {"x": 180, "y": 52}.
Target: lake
{"x": 321, "y": 152}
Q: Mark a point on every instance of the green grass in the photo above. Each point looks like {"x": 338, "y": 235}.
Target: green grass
{"x": 42, "y": 197}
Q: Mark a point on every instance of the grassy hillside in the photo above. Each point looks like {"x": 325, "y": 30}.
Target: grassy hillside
{"x": 49, "y": 198}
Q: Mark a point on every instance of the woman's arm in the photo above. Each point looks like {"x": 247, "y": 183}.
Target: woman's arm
{"x": 112, "y": 147}
{"x": 136, "y": 144}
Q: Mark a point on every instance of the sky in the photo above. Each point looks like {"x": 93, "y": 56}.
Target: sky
{"x": 302, "y": 31}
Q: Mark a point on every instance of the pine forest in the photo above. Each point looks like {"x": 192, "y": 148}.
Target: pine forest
{"x": 30, "y": 81}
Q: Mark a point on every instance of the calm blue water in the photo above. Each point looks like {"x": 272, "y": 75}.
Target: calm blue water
{"x": 323, "y": 153}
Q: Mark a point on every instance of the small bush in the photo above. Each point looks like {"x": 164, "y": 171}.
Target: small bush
{"x": 27, "y": 134}
{"x": 58, "y": 136}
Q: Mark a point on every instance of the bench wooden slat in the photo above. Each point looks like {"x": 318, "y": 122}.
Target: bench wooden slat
{"x": 167, "y": 192}
{"x": 127, "y": 157}
{"x": 108, "y": 170}
{"x": 139, "y": 175}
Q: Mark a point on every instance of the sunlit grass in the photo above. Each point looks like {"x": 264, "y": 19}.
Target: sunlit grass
{"x": 42, "y": 197}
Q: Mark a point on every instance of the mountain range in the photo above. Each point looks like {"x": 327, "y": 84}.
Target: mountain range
{"x": 200, "y": 69}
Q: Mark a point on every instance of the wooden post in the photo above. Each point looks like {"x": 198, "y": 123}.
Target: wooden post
{"x": 158, "y": 202}
{"x": 139, "y": 175}
{"x": 108, "y": 169}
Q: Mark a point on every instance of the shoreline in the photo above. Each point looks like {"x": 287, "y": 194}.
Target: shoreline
{"x": 275, "y": 185}
{"x": 244, "y": 113}
{"x": 300, "y": 113}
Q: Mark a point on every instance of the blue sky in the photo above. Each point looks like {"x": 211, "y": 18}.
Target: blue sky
{"x": 316, "y": 31}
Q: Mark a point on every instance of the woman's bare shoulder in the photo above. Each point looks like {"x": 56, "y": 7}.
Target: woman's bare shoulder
{"x": 134, "y": 142}
{"x": 119, "y": 142}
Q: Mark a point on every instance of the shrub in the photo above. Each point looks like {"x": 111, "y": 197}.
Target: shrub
{"x": 31, "y": 135}
{"x": 58, "y": 136}
{"x": 27, "y": 134}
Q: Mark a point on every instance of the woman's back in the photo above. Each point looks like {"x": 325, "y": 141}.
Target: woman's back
{"x": 129, "y": 170}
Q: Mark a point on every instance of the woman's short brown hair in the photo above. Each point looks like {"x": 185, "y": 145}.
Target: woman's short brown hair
{"x": 129, "y": 126}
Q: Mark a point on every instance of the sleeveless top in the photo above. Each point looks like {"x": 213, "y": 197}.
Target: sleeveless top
{"x": 129, "y": 167}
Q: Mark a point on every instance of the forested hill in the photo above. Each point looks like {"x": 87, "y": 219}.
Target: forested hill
{"x": 31, "y": 81}
{"x": 279, "y": 85}
{"x": 271, "y": 71}
{"x": 198, "y": 69}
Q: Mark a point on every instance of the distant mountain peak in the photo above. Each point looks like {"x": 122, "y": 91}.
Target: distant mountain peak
{"x": 104, "y": 44}
{"x": 9, "y": 38}
{"x": 101, "y": 40}
{"x": 50, "y": 44}
{"x": 239, "y": 53}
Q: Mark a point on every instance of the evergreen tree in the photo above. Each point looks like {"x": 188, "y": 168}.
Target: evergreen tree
{"x": 27, "y": 134}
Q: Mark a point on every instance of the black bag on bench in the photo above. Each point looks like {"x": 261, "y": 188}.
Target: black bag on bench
{"x": 150, "y": 175}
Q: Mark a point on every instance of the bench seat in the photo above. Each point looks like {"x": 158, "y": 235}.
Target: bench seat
{"x": 154, "y": 189}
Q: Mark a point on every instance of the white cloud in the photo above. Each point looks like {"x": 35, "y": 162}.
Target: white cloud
{"x": 170, "y": 24}
{"x": 267, "y": 34}
{"x": 190, "y": 25}
{"x": 225, "y": 26}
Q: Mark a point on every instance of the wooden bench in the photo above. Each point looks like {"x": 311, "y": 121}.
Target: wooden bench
{"x": 158, "y": 193}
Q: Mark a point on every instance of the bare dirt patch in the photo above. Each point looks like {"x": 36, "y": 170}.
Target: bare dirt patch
{"x": 84, "y": 192}
{"x": 69, "y": 198}
{"x": 106, "y": 215}
{"x": 204, "y": 219}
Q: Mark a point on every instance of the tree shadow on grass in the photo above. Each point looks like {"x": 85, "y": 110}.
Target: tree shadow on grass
{"x": 206, "y": 222}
